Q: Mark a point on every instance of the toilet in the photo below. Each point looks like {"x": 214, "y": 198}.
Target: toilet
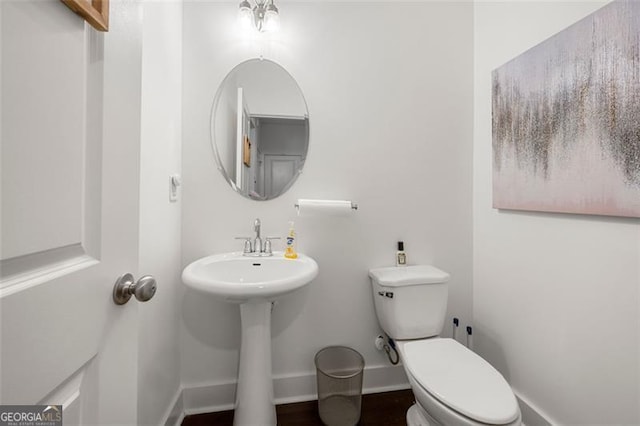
{"x": 452, "y": 384}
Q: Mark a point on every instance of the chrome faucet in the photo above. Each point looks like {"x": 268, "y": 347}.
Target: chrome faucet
{"x": 257, "y": 242}
{"x": 257, "y": 246}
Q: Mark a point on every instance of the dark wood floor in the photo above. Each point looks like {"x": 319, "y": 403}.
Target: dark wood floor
{"x": 378, "y": 409}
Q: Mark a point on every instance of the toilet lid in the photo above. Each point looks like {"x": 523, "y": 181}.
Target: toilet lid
{"x": 394, "y": 276}
{"x": 462, "y": 380}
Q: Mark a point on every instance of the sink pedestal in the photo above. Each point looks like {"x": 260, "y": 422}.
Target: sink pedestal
{"x": 254, "y": 394}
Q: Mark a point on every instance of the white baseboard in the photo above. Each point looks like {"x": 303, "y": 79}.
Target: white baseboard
{"x": 532, "y": 415}
{"x": 220, "y": 396}
{"x": 175, "y": 413}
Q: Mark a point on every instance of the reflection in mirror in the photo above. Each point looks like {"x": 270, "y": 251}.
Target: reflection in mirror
{"x": 260, "y": 129}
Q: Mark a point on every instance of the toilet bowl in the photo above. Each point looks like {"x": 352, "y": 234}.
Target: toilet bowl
{"x": 455, "y": 387}
{"x": 452, "y": 385}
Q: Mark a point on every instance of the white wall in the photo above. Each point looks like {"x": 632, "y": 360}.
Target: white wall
{"x": 389, "y": 91}
{"x": 159, "y": 366}
{"x": 283, "y": 138}
{"x": 556, "y": 304}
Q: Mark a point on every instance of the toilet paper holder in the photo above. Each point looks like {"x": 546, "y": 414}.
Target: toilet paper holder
{"x": 354, "y": 206}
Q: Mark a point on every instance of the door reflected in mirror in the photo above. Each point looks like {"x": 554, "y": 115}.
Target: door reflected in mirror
{"x": 260, "y": 129}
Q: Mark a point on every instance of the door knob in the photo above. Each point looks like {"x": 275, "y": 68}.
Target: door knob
{"x": 143, "y": 289}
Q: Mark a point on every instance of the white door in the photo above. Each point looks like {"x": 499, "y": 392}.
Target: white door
{"x": 279, "y": 171}
{"x": 70, "y": 108}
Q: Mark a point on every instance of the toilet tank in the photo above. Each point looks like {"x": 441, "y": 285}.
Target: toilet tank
{"x": 410, "y": 301}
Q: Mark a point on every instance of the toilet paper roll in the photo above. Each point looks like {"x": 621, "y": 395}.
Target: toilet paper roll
{"x": 311, "y": 208}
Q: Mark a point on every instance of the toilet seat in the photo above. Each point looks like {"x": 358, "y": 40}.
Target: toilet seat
{"x": 460, "y": 380}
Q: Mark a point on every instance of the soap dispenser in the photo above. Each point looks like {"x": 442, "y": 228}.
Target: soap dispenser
{"x": 401, "y": 256}
{"x": 290, "y": 251}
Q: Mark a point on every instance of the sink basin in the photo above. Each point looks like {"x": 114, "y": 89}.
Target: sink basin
{"x": 239, "y": 278}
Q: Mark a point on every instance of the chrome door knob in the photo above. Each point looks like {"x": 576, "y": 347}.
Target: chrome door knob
{"x": 125, "y": 287}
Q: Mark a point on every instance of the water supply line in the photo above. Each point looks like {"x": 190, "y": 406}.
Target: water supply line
{"x": 391, "y": 347}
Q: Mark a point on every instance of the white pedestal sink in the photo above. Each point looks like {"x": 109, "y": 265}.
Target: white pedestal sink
{"x": 253, "y": 282}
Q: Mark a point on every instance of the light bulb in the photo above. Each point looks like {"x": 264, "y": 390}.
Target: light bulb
{"x": 271, "y": 18}
{"x": 245, "y": 14}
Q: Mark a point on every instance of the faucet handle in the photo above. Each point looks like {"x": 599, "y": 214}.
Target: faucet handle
{"x": 248, "y": 249}
{"x": 267, "y": 245}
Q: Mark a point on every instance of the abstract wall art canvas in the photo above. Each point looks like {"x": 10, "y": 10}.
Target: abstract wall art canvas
{"x": 566, "y": 119}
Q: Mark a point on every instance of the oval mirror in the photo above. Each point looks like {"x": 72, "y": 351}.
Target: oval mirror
{"x": 260, "y": 129}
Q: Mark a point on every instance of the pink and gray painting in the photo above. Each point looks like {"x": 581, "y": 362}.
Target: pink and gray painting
{"x": 566, "y": 119}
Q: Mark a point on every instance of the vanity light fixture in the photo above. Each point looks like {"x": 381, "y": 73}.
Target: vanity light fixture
{"x": 264, "y": 16}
